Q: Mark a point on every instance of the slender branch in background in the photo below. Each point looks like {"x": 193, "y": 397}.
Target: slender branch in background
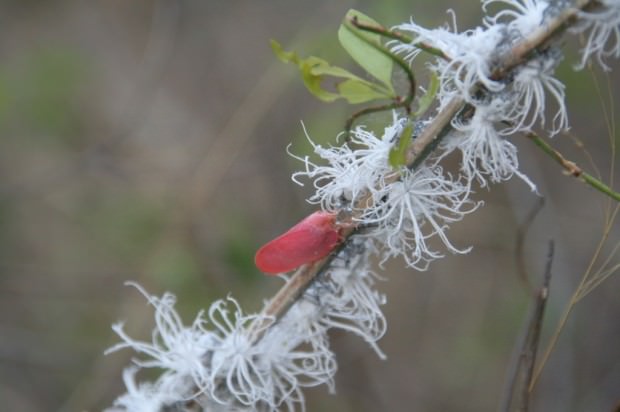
{"x": 573, "y": 169}
{"x": 590, "y": 275}
{"x": 522, "y": 231}
{"x": 530, "y": 348}
{"x": 522, "y": 369}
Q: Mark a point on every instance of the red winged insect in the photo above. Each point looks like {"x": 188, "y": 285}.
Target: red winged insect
{"x": 309, "y": 240}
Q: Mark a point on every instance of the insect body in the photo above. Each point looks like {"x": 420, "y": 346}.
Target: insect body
{"x": 309, "y": 240}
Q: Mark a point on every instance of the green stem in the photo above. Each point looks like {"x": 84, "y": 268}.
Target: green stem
{"x": 368, "y": 110}
{"x": 401, "y": 37}
{"x": 573, "y": 169}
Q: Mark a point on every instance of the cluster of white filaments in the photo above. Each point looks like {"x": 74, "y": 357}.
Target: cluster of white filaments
{"x": 603, "y": 32}
{"x": 219, "y": 364}
{"x": 227, "y": 360}
{"x": 401, "y": 214}
{"x": 401, "y": 209}
{"x": 502, "y": 107}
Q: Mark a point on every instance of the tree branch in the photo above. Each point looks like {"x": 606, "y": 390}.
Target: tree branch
{"x": 423, "y": 145}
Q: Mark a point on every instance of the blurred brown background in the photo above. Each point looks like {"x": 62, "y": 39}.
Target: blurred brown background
{"x": 145, "y": 140}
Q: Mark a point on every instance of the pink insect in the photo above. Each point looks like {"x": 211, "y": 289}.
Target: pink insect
{"x": 309, "y": 240}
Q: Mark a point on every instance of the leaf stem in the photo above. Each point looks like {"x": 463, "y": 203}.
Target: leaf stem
{"x": 368, "y": 110}
{"x": 401, "y": 37}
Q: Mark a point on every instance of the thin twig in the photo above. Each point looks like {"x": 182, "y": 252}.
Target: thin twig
{"x": 522, "y": 369}
{"x": 573, "y": 169}
{"x": 522, "y": 231}
{"x": 533, "y": 336}
{"x": 577, "y": 295}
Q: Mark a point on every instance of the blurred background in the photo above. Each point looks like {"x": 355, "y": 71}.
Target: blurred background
{"x": 145, "y": 140}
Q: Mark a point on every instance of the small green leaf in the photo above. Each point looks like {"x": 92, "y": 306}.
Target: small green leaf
{"x": 359, "y": 45}
{"x": 321, "y": 67}
{"x": 315, "y": 70}
{"x": 313, "y": 82}
{"x": 425, "y": 101}
{"x": 398, "y": 154}
{"x": 356, "y": 91}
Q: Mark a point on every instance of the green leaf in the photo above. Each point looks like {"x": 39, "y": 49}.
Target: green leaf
{"x": 321, "y": 67}
{"x": 313, "y": 81}
{"x": 356, "y": 91}
{"x": 425, "y": 101}
{"x": 398, "y": 154}
{"x": 315, "y": 70}
{"x": 359, "y": 45}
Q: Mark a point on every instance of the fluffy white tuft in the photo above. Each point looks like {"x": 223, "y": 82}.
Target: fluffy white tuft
{"x": 486, "y": 155}
{"x": 603, "y": 38}
{"x": 401, "y": 209}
